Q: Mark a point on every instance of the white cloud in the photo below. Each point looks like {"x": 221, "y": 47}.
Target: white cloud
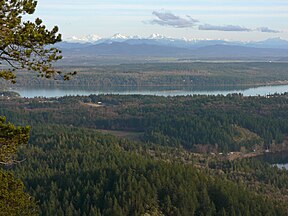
{"x": 267, "y": 30}
{"x": 224, "y": 28}
{"x": 169, "y": 19}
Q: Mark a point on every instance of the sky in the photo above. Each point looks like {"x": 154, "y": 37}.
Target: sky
{"x": 235, "y": 20}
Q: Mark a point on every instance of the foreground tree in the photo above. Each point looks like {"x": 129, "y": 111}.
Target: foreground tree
{"x": 11, "y": 137}
{"x": 23, "y": 45}
{"x": 13, "y": 199}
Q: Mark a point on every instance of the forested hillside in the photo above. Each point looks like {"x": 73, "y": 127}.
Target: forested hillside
{"x": 162, "y": 73}
{"x": 112, "y": 155}
{"x": 72, "y": 168}
{"x": 197, "y": 123}
{"x": 75, "y": 171}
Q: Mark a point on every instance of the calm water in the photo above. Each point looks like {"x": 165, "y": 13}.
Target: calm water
{"x": 281, "y": 166}
{"x": 159, "y": 91}
{"x": 279, "y": 159}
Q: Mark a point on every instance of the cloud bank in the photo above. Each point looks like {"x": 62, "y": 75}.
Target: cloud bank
{"x": 169, "y": 19}
{"x": 223, "y": 28}
{"x": 267, "y": 30}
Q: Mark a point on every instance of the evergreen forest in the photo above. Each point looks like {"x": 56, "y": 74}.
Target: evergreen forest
{"x": 148, "y": 155}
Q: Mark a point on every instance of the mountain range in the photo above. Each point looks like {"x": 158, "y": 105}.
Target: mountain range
{"x": 160, "y": 46}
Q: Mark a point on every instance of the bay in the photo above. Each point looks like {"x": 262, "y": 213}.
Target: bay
{"x": 158, "y": 91}
{"x": 281, "y": 166}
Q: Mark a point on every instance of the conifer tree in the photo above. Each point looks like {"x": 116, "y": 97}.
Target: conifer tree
{"x": 23, "y": 45}
{"x": 26, "y": 44}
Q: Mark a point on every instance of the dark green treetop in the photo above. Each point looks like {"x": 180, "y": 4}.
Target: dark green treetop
{"x": 23, "y": 45}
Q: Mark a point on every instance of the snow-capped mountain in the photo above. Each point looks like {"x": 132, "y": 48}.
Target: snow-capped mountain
{"x": 153, "y": 39}
{"x": 158, "y": 37}
{"x": 118, "y": 36}
{"x": 159, "y": 45}
{"x": 270, "y": 43}
{"x": 85, "y": 39}
{"x": 176, "y": 42}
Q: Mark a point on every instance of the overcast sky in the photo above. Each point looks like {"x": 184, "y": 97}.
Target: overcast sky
{"x": 207, "y": 19}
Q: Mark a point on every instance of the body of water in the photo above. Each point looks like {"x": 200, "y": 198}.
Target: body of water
{"x": 159, "y": 91}
{"x": 281, "y": 166}
{"x": 278, "y": 159}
